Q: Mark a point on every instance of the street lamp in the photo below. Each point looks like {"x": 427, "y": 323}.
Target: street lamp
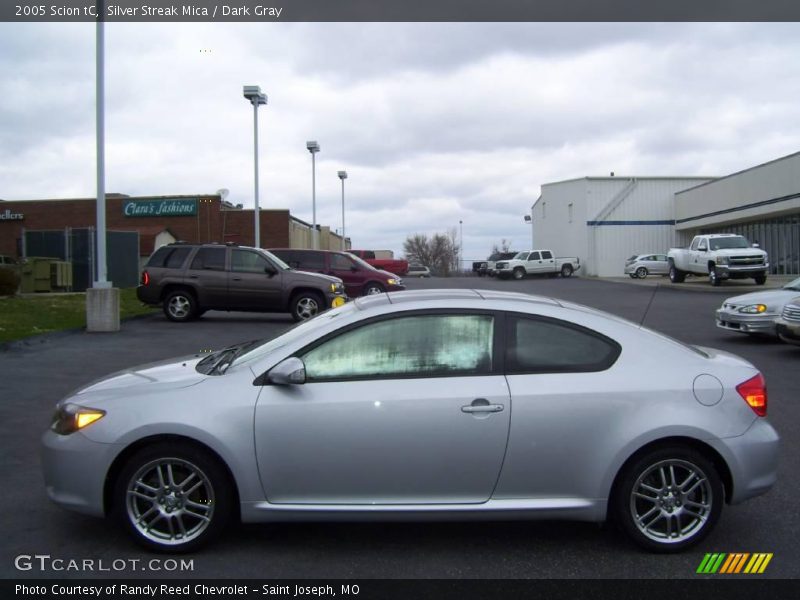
{"x": 461, "y": 246}
{"x": 343, "y": 175}
{"x": 255, "y": 97}
{"x": 313, "y": 147}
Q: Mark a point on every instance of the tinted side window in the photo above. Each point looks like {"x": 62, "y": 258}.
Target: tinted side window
{"x": 212, "y": 259}
{"x": 157, "y": 260}
{"x": 534, "y": 256}
{"x": 176, "y": 258}
{"x": 311, "y": 261}
{"x": 523, "y": 256}
{"x": 412, "y": 346}
{"x": 695, "y": 242}
{"x": 551, "y": 346}
{"x": 546, "y": 254}
{"x": 339, "y": 262}
{"x": 246, "y": 261}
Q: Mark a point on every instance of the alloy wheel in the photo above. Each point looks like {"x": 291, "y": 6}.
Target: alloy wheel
{"x": 307, "y": 307}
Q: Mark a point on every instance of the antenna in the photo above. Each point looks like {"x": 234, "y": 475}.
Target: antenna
{"x": 223, "y": 193}
{"x": 649, "y": 304}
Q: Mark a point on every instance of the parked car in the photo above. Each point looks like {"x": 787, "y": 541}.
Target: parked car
{"x": 720, "y": 256}
{"x": 487, "y": 267}
{"x": 415, "y": 270}
{"x": 788, "y": 324}
{"x": 432, "y": 404}
{"x": 756, "y": 312}
{"x": 189, "y": 279}
{"x": 537, "y": 262}
{"x": 359, "y": 277}
{"x": 640, "y": 266}
{"x": 392, "y": 265}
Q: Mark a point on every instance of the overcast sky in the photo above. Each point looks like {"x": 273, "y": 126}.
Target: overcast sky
{"x": 434, "y": 123}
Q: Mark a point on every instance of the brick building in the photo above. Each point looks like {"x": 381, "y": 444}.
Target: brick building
{"x": 159, "y": 220}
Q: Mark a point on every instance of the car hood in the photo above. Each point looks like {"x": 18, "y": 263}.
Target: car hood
{"x": 741, "y": 251}
{"x": 317, "y": 277}
{"x": 387, "y": 274}
{"x": 772, "y": 298}
{"x": 173, "y": 373}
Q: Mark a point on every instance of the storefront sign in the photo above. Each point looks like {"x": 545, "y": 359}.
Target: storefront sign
{"x": 7, "y": 215}
{"x": 184, "y": 207}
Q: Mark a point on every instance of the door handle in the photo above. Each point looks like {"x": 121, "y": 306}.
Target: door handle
{"x": 193, "y": 277}
{"x": 237, "y": 278}
{"x": 481, "y": 405}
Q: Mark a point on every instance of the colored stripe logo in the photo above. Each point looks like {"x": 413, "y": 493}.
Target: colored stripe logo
{"x": 733, "y": 563}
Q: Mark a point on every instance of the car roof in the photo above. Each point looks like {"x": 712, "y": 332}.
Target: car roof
{"x": 468, "y": 295}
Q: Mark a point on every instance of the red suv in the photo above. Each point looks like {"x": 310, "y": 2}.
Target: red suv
{"x": 360, "y": 278}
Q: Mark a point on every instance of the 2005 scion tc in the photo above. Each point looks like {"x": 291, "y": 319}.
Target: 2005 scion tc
{"x": 450, "y": 404}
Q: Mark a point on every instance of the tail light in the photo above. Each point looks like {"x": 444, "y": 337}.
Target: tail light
{"x": 754, "y": 392}
{"x": 145, "y": 278}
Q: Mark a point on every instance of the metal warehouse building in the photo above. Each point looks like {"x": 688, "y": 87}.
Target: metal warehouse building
{"x": 604, "y": 220}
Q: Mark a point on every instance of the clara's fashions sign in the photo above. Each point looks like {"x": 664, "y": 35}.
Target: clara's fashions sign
{"x": 184, "y": 207}
{"x": 7, "y": 215}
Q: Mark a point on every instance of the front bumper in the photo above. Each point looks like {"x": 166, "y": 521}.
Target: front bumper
{"x": 744, "y": 323}
{"x": 788, "y": 331}
{"x": 741, "y": 272}
{"x": 752, "y": 459}
{"x": 75, "y": 470}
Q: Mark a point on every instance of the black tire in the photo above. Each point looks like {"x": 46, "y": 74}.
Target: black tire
{"x": 518, "y": 273}
{"x": 180, "y": 306}
{"x": 632, "y": 275}
{"x": 306, "y": 305}
{"x": 188, "y": 510}
{"x": 760, "y": 279}
{"x": 713, "y": 276}
{"x": 673, "y": 513}
{"x": 641, "y": 272}
{"x": 566, "y": 271}
{"x": 675, "y": 274}
{"x": 372, "y": 288}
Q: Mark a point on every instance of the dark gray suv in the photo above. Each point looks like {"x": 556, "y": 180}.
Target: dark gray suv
{"x": 189, "y": 279}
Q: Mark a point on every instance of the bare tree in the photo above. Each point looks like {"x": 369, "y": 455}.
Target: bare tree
{"x": 438, "y": 252}
{"x": 504, "y": 246}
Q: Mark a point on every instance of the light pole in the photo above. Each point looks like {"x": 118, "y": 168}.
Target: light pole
{"x": 313, "y": 147}
{"x": 461, "y": 245}
{"x": 255, "y": 97}
{"x": 343, "y": 175}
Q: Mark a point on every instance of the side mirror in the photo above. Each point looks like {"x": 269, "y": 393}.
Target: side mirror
{"x": 756, "y": 245}
{"x": 354, "y": 268}
{"x": 291, "y": 371}
{"x": 270, "y": 270}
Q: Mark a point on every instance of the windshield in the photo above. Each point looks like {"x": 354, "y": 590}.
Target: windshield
{"x": 277, "y": 261}
{"x": 736, "y": 241}
{"x": 295, "y": 332}
{"x": 360, "y": 262}
{"x": 793, "y": 285}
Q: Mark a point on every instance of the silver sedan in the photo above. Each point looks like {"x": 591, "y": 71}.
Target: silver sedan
{"x": 640, "y": 266}
{"x": 437, "y": 404}
{"x": 756, "y": 312}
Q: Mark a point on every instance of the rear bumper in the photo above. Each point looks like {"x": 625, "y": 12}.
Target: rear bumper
{"x": 149, "y": 294}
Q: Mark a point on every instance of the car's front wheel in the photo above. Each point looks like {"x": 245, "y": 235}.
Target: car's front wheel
{"x": 641, "y": 272}
{"x": 306, "y": 305}
{"x": 173, "y": 497}
{"x": 669, "y": 499}
{"x": 519, "y": 273}
{"x": 372, "y": 288}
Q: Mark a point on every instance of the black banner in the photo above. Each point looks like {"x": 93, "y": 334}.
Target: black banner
{"x": 398, "y": 10}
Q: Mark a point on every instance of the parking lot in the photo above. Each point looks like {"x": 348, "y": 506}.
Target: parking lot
{"x": 36, "y": 373}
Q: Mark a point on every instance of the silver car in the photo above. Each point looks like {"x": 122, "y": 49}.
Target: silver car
{"x": 436, "y": 404}
{"x": 417, "y": 270}
{"x": 756, "y": 312}
{"x": 640, "y": 266}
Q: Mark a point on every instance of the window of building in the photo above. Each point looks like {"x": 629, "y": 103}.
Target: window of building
{"x": 569, "y": 212}
{"x": 544, "y": 209}
{"x": 412, "y": 346}
{"x": 550, "y": 346}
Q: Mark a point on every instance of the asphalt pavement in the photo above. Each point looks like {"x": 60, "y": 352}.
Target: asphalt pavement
{"x": 36, "y": 373}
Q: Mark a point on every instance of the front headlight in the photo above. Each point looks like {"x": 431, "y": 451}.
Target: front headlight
{"x": 753, "y": 309}
{"x": 336, "y": 288}
{"x": 722, "y": 260}
{"x": 70, "y": 418}
{"x": 392, "y": 281}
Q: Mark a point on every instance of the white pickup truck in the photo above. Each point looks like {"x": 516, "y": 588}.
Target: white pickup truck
{"x": 719, "y": 256}
{"x": 537, "y": 262}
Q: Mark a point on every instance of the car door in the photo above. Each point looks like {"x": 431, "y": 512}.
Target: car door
{"x": 207, "y": 274}
{"x": 253, "y": 282}
{"x": 548, "y": 262}
{"x": 407, "y": 409}
{"x": 660, "y": 264}
{"x": 346, "y": 269}
{"x": 534, "y": 263}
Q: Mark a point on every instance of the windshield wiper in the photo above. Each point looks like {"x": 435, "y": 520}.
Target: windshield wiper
{"x": 218, "y": 362}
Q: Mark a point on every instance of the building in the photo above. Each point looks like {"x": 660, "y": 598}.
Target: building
{"x": 52, "y": 228}
{"x": 604, "y": 220}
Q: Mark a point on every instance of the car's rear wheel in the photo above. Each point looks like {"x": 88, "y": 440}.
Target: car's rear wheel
{"x": 180, "y": 306}
{"x": 372, "y": 288}
{"x": 669, "y": 499}
{"x": 641, "y": 272}
{"x": 173, "y": 497}
{"x": 566, "y": 271}
{"x": 306, "y": 305}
